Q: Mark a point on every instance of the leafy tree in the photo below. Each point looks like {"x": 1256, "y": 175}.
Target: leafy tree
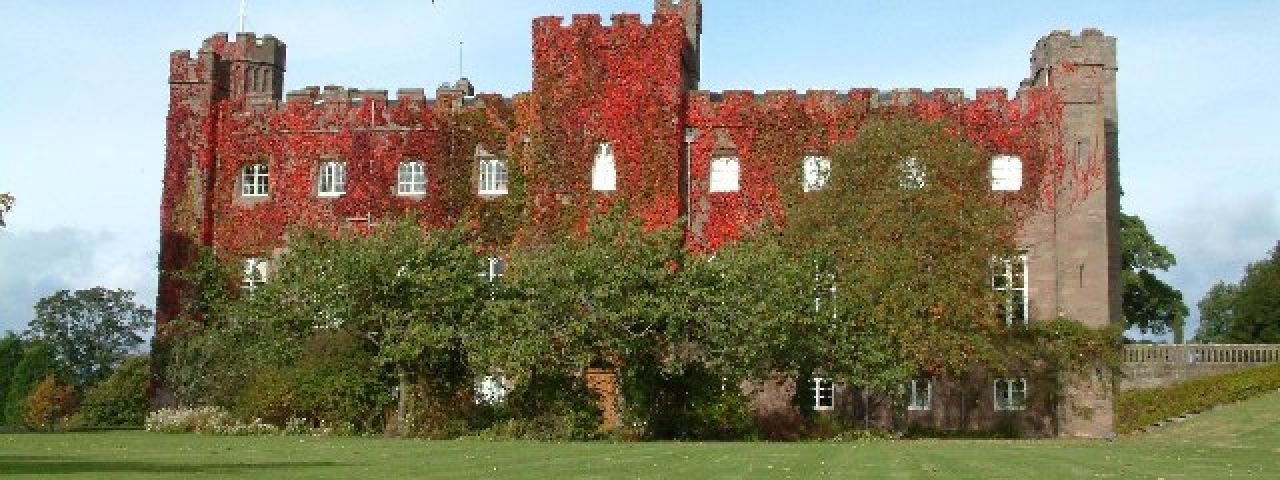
{"x": 1217, "y": 312}
{"x": 1149, "y": 304}
{"x": 36, "y": 362}
{"x": 1247, "y": 312}
{"x": 49, "y": 404}
{"x": 907, "y": 204}
{"x": 119, "y": 400}
{"x": 409, "y": 293}
{"x": 11, "y": 347}
{"x": 1257, "y": 305}
{"x": 90, "y": 331}
{"x": 6, "y": 204}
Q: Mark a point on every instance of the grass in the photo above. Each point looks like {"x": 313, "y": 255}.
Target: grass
{"x": 1238, "y": 441}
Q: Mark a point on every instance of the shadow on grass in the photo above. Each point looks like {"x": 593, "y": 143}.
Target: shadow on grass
{"x": 47, "y": 465}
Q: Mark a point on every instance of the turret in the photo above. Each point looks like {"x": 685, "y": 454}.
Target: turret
{"x": 691, "y": 12}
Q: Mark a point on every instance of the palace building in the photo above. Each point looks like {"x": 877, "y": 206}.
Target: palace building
{"x": 615, "y": 114}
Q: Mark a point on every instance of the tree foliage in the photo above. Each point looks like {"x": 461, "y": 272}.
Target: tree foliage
{"x": 34, "y": 362}
{"x": 1247, "y": 312}
{"x": 90, "y": 331}
{"x": 49, "y": 404}
{"x": 121, "y": 399}
{"x": 6, "y": 204}
{"x": 1149, "y": 304}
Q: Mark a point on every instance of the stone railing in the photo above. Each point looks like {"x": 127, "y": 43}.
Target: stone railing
{"x": 1202, "y": 353}
{"x": 1158, "y": 365}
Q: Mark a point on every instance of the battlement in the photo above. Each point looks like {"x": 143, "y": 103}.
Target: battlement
{"x": 317, "y": 96}
{"x": 247, "y": 46}
{"x": 592, "y": 22}
{"x": 1090, "y": 47}
{"x": 861, "y": 98}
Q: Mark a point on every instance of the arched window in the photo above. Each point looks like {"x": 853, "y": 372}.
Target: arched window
{"x": 254, "y": 181}
{"x": 333, "y": 179}
{"x": 604, "y": 173}
{"x": 411, "y": 178}
{"x": 817, "y": 170}
{"x": 1006, "y": 173}
{"x": 724, "y": 174}
{"x": 493, "y": 176}
{"x": 913, "y": 174}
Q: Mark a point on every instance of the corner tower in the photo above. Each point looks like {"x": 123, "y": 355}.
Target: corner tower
{"x": 1084, "y": 224}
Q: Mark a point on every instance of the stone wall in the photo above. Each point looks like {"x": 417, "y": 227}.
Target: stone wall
{"x": 1150, "y": 366}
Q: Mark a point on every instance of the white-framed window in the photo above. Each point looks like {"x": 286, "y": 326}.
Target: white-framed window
{"x": 817, "y": 170}
{"x": 254, "y": 181}
{"x": 724, "y": 174}
{"x": 1006, "y": 173}
{"x": 333, "y": 179}
{"x": 604, "y": 172}
{"x": 494, "y": 268}
{"x": 1009, "y": 280}
{"x": 493, "y": 176}
{"x": 921, "y": 394}
{"x": 254, "y": 275}
{"x": 824, "y": 393}
{"x": 491, "y": 390}
{"x": 1010, "y": 393}
{"x": 913, "y": 174}
{"x": 411, "y": 178}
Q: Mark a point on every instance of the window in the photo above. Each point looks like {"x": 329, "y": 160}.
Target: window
{"x": 913, "y": 172}
{"x": 1006, "y": 173}
{"x": 493, "y": 176}
{"x": 495, "y": 268}
{"x": 824, "y": 394}
{"x": 724, "y": 174}
{"x": 254, "y": 180}
{"x": 816, "y": 172}
{"x": 255, "y": 274}
{"x": 491, "y": 390}
{"x": 604, "y": 173}
{"x": 411, "y": 179}
{"x": 333, "y": 179}
{"x": 921, "y": 394}
{"x": 1009, "y": 280}
{"x": 1010, "y": 393}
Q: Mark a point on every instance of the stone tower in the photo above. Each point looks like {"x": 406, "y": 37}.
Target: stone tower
{"x": 1084, "y": 225}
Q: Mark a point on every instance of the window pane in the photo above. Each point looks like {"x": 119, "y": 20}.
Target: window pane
{"x": 724, "y": 174}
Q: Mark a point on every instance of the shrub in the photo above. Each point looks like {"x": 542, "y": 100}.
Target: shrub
{"x": 188, "y": 420}
{"x": 338, "y": 382}
{"x": 1139, "y": 408}
{"x": 270, "y": 396}
{"x": 49, "y": 404}
{"x": 119, "y": 400}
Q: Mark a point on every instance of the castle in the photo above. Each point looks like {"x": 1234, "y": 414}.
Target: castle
{"x": 244, "y": 160}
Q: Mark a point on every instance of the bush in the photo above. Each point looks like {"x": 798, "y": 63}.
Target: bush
{"x": 120, "y": 400}
{"x": 49, "y": 405}
{"x": 1139, "y": 408}
{"x": 188, "y": 420}
{"x": 338, "y": 382}
{"x": 269, "y": 395}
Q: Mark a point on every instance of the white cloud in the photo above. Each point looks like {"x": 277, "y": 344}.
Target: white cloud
{"x": 39, "y": 263}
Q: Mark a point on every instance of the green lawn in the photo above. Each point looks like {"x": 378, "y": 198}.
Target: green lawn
{"x": 1237, "y": 441}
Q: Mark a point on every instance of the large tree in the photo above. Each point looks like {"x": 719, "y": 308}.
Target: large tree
{"x": 1150, "y": 304}
{"x": 1247, "y": 312}
{"x": 409, "y": 293}
{"x": 90, "y": 331}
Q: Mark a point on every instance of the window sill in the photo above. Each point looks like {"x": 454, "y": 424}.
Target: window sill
{"x": 330, "y": 195}
{"x": 918, "y": 409}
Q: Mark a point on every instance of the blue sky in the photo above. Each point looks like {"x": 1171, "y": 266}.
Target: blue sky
{"x": 82, "y": 127}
